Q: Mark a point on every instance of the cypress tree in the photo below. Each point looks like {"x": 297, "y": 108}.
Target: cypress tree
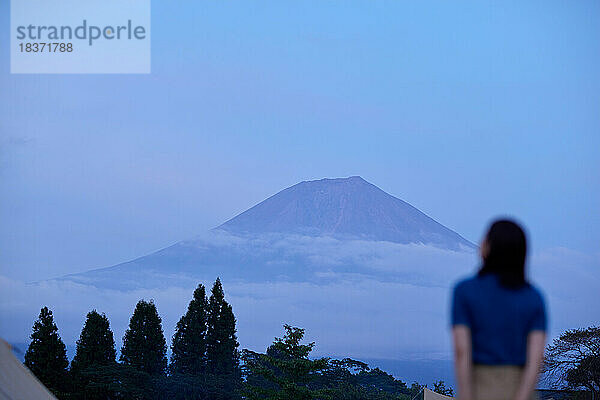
{"x": 96, "y": 344}
{"x": 189, "y": 340}
{"x": 221, "y": 344}
{"x": 95, "y": 349}
{"x": 144, "y": 344}
{"x": 46, "y": 355}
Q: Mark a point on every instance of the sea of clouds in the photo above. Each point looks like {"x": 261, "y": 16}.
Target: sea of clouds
{"x": 401, "y": 314}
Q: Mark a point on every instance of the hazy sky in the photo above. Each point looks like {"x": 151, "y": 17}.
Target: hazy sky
{"x": 465, "y": 110}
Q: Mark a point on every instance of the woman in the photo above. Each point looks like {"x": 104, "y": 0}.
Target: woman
{"x": 498, "y": 322}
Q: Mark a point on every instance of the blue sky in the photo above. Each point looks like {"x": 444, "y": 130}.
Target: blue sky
{"x": 467, "y": 111}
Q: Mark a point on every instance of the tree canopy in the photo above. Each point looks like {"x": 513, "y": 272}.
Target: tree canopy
{"x": 286, "y": 371}
{"x": 95, "y": 349}
{"x": 573, "y": 360}
{"x": 189, "y": 339}
{"x": 144, "y": 344}
{"x": 96, "y": 344}
{"x": 205, "y": 363}
{"x": 46, "y": 355}
{"x": 222, "y": 353}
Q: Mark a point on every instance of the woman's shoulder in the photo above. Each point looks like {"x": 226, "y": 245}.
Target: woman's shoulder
{"x": 534, "y": 293}
{"x": 466, "y": 284}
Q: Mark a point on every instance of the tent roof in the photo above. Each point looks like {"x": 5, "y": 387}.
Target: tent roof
{"x": 431, "y": 395}
{"x": 16, "y": 381}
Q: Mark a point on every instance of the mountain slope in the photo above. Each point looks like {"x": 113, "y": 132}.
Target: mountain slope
{"x": 345, "y": 208}
{"x": 311, "y": 232}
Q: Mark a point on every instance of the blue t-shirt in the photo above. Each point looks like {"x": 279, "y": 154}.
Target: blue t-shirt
{"x": 499, "y": 318}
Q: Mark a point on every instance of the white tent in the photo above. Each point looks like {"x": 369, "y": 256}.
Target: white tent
{"x": 16, "y": 381}
{"x": 430, "y": 395}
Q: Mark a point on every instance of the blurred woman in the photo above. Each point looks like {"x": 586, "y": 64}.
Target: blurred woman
{"x": 498, "y": 322}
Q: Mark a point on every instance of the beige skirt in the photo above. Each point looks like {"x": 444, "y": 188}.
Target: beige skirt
{"x": 496, "y": 382}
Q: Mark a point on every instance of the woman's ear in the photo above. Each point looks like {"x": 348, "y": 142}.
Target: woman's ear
{"x": 484, "y": 249}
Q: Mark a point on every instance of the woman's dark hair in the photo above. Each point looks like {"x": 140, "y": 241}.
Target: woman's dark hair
{"x": 507, "y": 247}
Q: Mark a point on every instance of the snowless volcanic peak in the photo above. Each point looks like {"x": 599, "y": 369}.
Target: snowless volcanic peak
{"x": 346, "y": 208}
{"x": 281, "y": 239}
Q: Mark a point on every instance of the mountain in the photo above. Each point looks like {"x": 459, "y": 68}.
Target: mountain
{"x": 313, "y": 231}
{"x": 344, "y": 208}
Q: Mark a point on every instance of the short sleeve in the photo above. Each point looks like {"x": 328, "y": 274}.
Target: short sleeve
{"x": 539, "y": 320}
{"x": 460, "y": 311}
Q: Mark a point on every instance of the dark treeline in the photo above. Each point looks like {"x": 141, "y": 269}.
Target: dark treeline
{"x": 205, "y": 361}
{"x": 286, "y": 371}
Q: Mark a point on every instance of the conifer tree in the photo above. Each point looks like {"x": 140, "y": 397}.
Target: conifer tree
{"x": 189, "y": 340}
{"x": 95, "y": 349}
{"x": 221, "y": 343}
{"x": 96, "y": 344}
{"x": 46, "y": 355}
{"x": 144, "y": 344}
{"x": 286, "y": 371}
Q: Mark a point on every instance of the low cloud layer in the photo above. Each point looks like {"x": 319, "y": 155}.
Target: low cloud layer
{"x": 363, "y": 315}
